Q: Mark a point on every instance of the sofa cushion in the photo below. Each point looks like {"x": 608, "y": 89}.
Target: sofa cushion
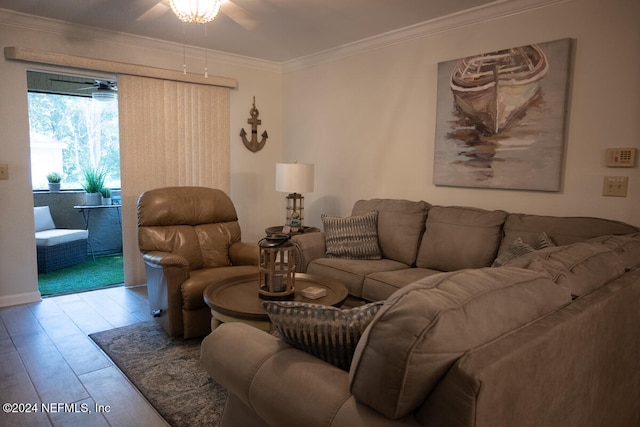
{"x": 423, "y": 328}
{"x": 380, "y": 286}
{"x": 460, "y": 237}
{"x": 351, "y": 272}
{"x": 627, "y": 247}
{"x": 171, "y": 219}
{"x": 329, "y": 333}
{"x": 563, "y": 230}
{"x": 580, "y": 267}
{"x": 400, "y": 226}
{"x": 58, "y": 236}
{"x": 176, "y": 239}
{"x": 215, "y": 241}
{"x": 354, "y": 237}
{"x": 42, "y": 218}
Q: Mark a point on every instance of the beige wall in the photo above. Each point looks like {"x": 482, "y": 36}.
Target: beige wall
{"x": 365, "y": 118}
{"x": 251, "y": 191}
{"x": 367, "y": 121}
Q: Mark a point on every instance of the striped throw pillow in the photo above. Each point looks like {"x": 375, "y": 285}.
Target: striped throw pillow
{"x": 354, "y": 237}
{"x": 328, "y": 333}
{"x": 518, "y": 248}
{"x": 544, "y": 241}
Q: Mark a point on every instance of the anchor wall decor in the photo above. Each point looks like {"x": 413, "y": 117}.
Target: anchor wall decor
{"x": 254, "y": 145}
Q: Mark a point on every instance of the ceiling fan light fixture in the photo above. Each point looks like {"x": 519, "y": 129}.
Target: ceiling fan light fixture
{"x": 195, "y": 11}
{"x": 104, "y": 95}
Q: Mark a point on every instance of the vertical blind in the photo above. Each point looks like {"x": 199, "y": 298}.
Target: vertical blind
{"x": 171, "y": 134}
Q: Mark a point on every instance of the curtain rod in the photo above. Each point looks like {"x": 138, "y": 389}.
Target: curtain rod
{"x": 53, "y": 58}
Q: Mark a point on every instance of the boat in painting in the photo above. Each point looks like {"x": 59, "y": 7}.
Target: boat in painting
{"x": 493, "y": 89}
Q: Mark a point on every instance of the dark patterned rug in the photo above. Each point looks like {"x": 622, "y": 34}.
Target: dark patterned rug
{"x": 167, "y": 372}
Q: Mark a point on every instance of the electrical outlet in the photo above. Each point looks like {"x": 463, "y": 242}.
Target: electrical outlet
{"x": 4, "y": 171}
{"x": 615, "y": 186}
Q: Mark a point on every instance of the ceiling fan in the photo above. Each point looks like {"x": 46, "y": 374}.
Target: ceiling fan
{"x": 228, "y": 7}
{"x": 103, "y": 90}
{"x": 101, "y": 85}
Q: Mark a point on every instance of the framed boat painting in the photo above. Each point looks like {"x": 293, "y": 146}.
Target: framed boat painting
{"x": 501, "y": 118}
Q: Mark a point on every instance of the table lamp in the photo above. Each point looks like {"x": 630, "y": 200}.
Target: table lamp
{"x": 294, "y": 178}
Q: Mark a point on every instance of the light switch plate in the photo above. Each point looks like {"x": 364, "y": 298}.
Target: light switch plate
{"x": 4, "y": 171}
{"x": 615, "y": 186}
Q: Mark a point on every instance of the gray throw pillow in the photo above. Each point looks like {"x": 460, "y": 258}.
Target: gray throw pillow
{"x": 544, "y": 241}
{"x": 518, "y": 248}
{"x": 354, "y": 237}
{"x": 328, "y": 333}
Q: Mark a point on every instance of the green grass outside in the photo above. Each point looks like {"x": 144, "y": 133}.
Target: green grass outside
{"x": 104, "y": 271}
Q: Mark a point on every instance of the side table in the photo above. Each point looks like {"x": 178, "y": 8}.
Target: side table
{"x": 86, "y": 210}
{"x": 278, "y": 230}
{"x": 236, "y": 299}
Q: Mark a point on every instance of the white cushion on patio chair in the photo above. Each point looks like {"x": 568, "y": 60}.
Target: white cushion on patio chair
{"x": 58, "y": 236}
{"x": 46, "y": 232}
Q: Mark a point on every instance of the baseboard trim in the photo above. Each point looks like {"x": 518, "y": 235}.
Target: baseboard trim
{"x": 17, "y": 299}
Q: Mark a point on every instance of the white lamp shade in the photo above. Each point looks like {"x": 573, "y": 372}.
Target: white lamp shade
{"x": 294, "y": 177}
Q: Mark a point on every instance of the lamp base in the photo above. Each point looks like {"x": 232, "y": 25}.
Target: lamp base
{"x": 295, "y": 212}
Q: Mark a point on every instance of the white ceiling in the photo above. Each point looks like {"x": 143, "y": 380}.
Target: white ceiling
{"x": 285, "y": 30}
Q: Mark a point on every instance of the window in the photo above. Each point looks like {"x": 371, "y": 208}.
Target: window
{"x": 72, "y": 127}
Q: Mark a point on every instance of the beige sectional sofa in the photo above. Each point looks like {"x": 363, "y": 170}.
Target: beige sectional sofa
{"x": 548, "y": 339}
{"x": 418, "y": 240}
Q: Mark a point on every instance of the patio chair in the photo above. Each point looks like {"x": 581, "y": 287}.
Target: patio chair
{"x": 57, "y": 247}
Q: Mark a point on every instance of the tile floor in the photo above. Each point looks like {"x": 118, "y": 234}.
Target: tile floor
{"x": 47, "y": 359}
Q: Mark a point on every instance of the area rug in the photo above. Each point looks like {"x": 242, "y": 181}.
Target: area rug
{"x": 167, "y": 372}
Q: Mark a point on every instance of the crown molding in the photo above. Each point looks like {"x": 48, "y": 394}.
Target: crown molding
{"x": 498, "y": 9}
{"x": 120, "y": 39}
{"x": 492, "y": 11}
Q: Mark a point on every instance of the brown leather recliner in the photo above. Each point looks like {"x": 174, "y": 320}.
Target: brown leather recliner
{"x": 189, "y": 238}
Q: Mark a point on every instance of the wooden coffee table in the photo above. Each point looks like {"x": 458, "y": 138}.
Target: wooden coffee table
{"x": 236, "y": 299}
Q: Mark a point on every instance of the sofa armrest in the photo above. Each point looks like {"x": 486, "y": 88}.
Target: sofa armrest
{"x": 551, "y": 367}
{"x": 159, "y": 259}
{"x": 242, "y": 253}
{"x": 282, "y": 385}
{"x": 165, "y": 274}
{"x": 308, "y": 247}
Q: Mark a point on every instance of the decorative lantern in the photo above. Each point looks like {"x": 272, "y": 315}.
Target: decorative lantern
{"x": 277, "y": 267}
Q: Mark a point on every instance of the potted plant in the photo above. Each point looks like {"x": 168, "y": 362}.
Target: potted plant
{"x": 54, "y": 179}
{"x": 106, "y": 196}
{"x": 93, "y": 182}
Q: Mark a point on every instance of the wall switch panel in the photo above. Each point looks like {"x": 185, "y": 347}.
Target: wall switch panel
{"x": 615, "y": 186}
{"x": 4, "y": 171}
{"x": 620, "y": 157}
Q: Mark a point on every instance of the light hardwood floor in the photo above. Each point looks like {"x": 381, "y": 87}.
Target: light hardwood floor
{"x": 46, "y": 357}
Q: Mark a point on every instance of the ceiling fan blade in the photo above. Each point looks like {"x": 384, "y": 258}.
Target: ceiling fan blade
{"x": 156, "y": 11}
{"x": 71, "y": 81}
{"x": 239, "y": 15}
